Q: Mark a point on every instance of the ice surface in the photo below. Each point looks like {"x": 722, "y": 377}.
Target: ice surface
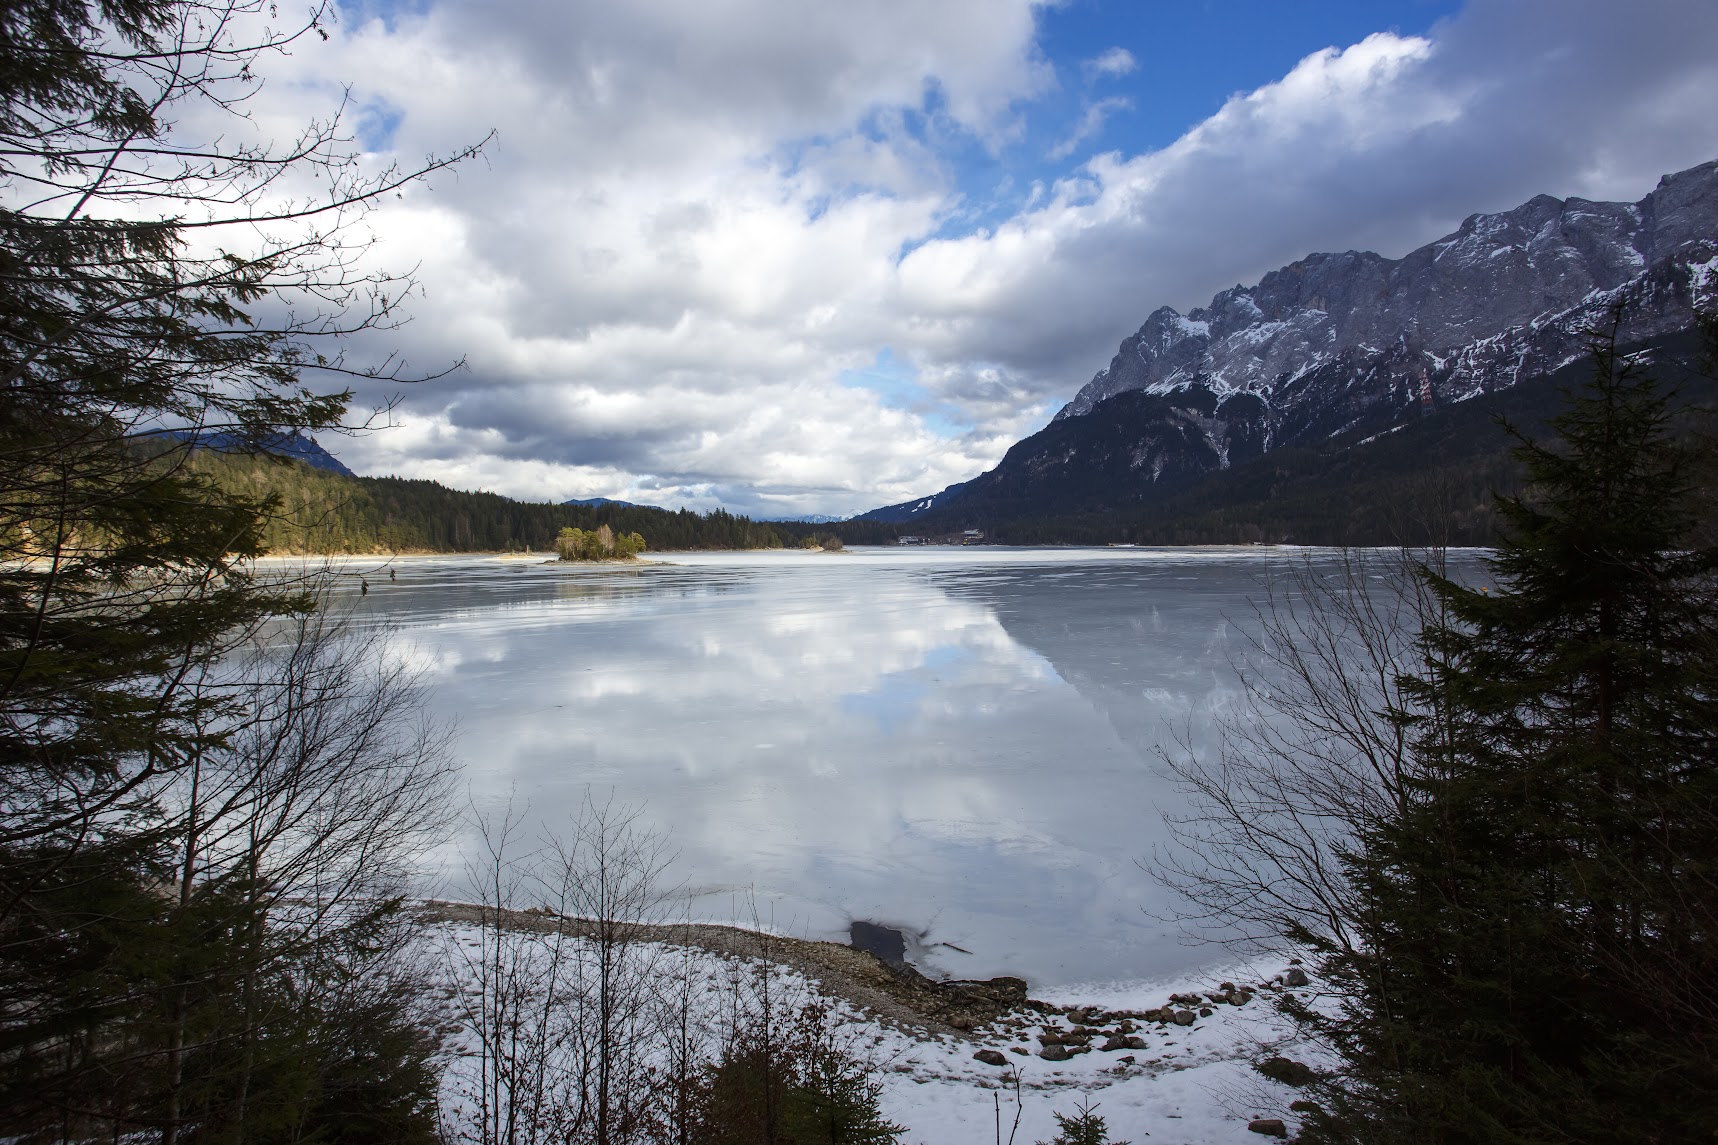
{"x": 959, "y": 743}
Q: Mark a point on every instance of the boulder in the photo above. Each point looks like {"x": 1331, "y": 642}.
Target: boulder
{"x": 1295, "y": 977}
{"x": 1055, "y": 1053}
{"x": 1269, "y": 1126}
{"x": 1183, "y": 1018}
{"x": 1288, "y": 1072}
{"x": 990, "y": 1057}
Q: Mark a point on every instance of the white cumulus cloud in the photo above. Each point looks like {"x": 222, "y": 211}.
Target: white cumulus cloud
{"x": 1112, "y": 62}
{"x": 703, "y": 223}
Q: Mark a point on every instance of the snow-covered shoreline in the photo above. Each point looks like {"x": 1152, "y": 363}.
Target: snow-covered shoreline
{"x": 1192, "y": 1083}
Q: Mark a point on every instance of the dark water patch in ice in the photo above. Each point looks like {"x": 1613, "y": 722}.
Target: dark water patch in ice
{"x": 885, "y": 942}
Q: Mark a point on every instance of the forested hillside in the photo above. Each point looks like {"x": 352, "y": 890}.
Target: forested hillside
{"x": 323, "y": 512}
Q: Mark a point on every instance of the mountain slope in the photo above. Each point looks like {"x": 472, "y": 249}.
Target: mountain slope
{"x": 1347, "y": 344}
{"x": 1425, "y": 480}
{"x": 294, "y": 445}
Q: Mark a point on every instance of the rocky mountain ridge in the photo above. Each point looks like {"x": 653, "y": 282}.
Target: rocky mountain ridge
{"x": 1336, "y": 342}
{"x": 297, "y": 446}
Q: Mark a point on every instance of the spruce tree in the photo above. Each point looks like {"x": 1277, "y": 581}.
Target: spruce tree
{"x": 1537, "y": 961}
{"x": 156, "y": 292}
{"x": 1083, "y": 1127}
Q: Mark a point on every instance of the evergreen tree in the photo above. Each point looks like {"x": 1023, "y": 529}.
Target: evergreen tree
{"x": 1537, "y": 959}
{"x": 791, "y": 1083}
{"x": 1084, "y": 1127}
{"x": 142, "y": 982}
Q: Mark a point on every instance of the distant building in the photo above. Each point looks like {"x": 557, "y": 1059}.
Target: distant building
{"x": 909, "y": 539}
{"x": 972, "y": 535}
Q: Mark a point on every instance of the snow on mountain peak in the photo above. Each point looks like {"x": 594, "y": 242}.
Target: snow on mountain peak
{"x": 1514, "y": 270}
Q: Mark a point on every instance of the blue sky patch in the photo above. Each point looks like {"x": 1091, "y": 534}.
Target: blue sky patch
{"x": 896, "y": 382}
{"x": 1186, "y": 60}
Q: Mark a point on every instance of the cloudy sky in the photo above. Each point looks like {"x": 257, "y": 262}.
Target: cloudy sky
{"x": 815, "y": 256}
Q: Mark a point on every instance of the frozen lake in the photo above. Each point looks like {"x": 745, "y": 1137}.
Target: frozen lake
{"x": 957, "y": 742}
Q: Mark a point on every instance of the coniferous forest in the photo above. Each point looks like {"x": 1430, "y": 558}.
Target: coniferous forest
{"x": 317, "y": 511}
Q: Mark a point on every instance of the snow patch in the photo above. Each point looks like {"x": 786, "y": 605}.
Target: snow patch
{"x": 1376, "y": 436}
{"x": 1701, "y": 276}
{"x": 1192, "y": 1084}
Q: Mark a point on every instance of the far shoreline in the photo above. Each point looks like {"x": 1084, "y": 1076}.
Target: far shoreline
{"x": 548, "y": 555}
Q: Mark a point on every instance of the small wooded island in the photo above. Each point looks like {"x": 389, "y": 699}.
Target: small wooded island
{"x": 599, "y": 544}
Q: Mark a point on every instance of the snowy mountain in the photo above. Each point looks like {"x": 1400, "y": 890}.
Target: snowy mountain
{"x": 293, "y": 445}
{"x": 1339, "y": 342}
{"x": 306, "y": 449}
{"x": 599, "y": 502}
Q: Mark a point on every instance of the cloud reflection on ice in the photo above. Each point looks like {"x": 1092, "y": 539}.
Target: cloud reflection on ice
{"x": 959, "y": 743}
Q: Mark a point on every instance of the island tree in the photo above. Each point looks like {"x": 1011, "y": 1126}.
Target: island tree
{"x": 599, "y": 544}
